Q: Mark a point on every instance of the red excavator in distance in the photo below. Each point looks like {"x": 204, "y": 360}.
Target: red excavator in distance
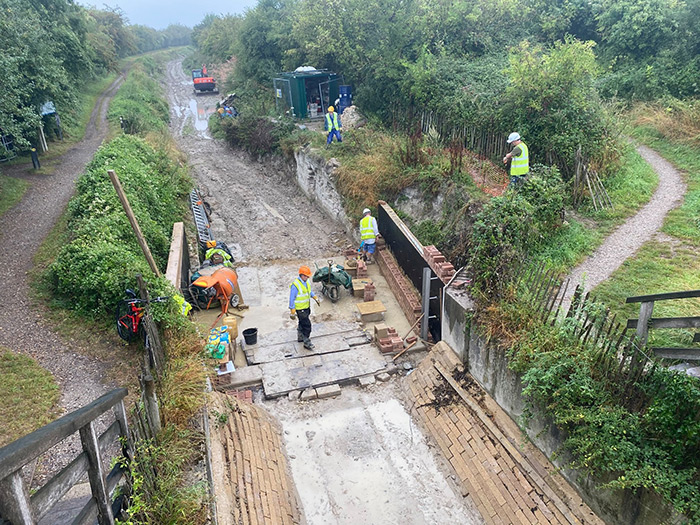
{"x": 203, "y": 83}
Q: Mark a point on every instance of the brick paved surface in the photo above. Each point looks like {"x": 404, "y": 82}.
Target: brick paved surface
{"x": 254, "y": 485}
{"x": 509, "y": 485}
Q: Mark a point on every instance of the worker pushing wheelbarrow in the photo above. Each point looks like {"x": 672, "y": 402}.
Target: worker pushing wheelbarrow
{"x": 332, "y": 277}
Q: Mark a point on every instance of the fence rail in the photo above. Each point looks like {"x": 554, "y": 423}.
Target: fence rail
{"x": 17, "y": 506}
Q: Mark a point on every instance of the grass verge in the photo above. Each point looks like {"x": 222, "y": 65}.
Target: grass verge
{"x": 26, "y": 388}
{"x": 11, "y": 192}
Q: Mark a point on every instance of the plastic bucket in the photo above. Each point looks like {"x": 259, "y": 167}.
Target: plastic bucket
{"x": 250, "y": 335}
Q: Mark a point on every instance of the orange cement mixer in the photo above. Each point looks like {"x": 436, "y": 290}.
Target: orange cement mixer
{"x": 222, "y": 285}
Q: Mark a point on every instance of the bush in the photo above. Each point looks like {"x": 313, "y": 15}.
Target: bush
{"x": 139, "y": 104}
{"x": 91, "y": 272}
{"x": 257, "y": 135}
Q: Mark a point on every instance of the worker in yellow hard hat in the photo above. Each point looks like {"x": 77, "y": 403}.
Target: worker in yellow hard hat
{"x": 333, "y": 126}
{"x": 300, "y": 295}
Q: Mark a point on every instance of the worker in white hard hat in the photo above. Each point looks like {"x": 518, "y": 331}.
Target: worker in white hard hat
{"x": 333, "y": 126}
{"x": 520, "y": 162}
{"x": 368, "y": 234}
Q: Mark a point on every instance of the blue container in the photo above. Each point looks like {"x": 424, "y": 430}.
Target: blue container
{"x": 345, "y": 98}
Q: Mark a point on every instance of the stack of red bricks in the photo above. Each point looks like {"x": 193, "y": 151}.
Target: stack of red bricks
{"x": 370, "y": 291}
{"x": 243, "y": 395}
{"x": 361, "y": 269}
{"x": 436, "y": 260}
{"x": 399, "y": 284}
{"x": 388, "y": 339}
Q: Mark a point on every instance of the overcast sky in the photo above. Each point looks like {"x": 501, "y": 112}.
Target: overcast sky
{"x": 159, "y": 14}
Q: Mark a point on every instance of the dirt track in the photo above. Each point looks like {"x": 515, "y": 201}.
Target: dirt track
{"x": 81, "y": 377}
{"x": 256, "y": 206}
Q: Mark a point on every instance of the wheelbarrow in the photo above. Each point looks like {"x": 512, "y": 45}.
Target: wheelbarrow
{"x": 332, "y": 277}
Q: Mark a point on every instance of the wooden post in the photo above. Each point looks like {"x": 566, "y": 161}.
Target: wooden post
{"x": 134, "y": 223}
{"x": 14, "y": 501}
{"x": 645, "y": 311}
{"x": 96, "y": 474}
{"x": 151, "y": 404}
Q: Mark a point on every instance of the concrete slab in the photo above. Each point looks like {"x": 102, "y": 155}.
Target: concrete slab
{"x": 324, "y": 344}
{"x": 280, "y": 377}
{"x": 328, "y": 391}
{"x": 246, "y": 376}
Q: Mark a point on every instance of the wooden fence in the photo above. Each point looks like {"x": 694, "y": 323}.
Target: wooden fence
{"x": 619, "y": 357}
{"x": 17, "y": 506}
{"x": 646, "y": 321}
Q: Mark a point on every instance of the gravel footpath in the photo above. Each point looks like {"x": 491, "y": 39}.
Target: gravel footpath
{"x": 22, "y": 326}
{"x": 630, "y": 236}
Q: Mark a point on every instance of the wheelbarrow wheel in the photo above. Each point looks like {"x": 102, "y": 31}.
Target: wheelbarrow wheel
{"x": 333, "y": 293}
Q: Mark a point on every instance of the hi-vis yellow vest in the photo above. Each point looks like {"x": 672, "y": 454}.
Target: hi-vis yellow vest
{"x": 520, "y": 165}
{"x": 303, "y": 298}
{"x": 366, "y": 230}
{"x": 332, "y": 121}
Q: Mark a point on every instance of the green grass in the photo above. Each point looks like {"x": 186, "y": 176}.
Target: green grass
{"x": 683, "y": 222}
{"x": 25, "y": 389}
{"x": 668, "y": 265}
{"x": 630, "y": 188}
{"x": 11, "y": 192}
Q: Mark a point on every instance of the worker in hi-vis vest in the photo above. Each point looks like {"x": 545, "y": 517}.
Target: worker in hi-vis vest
{"x": 333, "y": 125}
{"x": 368, "y": 234}
{"x": 519, "y": 160}
{"x": 300, "y": 295}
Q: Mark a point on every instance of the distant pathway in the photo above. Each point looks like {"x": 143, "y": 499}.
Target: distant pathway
{"x": 629, "y": 237}
{"x": 22, "y": 230}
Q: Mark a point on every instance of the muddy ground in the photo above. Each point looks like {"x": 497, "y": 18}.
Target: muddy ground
{"x": 256, "y": 206}
{"x": 355, "y": 458}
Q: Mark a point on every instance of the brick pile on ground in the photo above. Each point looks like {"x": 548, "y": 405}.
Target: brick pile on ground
{"x": 257, "y": 479}
{"x": 400, "y": 285}
{"x": 387, "y": 339}
{"x": 506, "y": 485}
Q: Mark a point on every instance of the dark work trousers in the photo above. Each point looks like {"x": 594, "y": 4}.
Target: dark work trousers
{"x": 304, "y": 327}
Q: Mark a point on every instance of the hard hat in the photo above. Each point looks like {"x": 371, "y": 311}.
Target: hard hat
{"x": 331, "y": 109}
{"x": 211, "y": 244}
{"x": 366, "y": 211}
{"x": 305, "y": 270}
{"x": 513, "y": 137}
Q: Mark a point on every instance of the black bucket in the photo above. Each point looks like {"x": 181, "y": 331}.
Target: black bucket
{"x": 250, "y": 335}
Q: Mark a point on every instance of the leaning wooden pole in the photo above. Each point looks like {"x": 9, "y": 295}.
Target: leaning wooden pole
{"x": 134, "y": 223}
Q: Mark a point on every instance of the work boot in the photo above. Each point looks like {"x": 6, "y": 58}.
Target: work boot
{"x": 308, "y": 344}
{"x": 300, "y": 337}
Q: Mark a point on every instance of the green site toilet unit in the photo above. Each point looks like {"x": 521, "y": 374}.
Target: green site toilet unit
{"x": 306, "y": 92}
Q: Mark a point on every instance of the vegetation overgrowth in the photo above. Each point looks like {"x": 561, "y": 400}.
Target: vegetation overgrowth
{"x": 638, "y": 434}
{"x": 79, "y": 45}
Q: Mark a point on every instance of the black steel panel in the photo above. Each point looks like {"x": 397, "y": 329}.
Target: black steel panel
{"x": 411, "y": 261}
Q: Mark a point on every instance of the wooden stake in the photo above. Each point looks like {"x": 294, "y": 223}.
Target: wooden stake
{"x": 404, "y": 350}
{"x": 413, "y": 326}
{"x": 134, "y": 223}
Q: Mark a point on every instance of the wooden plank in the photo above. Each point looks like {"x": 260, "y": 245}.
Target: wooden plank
{"x": 663, "y": 296}
{"x": 686, "y": 354}
{"x": 96, "y": 475}
{"x": 668, "y": 322}
{"x": 14, "y": 500}
{"x": 371, "y": 307}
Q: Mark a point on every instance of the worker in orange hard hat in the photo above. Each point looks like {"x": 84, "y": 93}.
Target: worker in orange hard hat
{"x": 300, "y": 295}
{"x": 333, "y": 126}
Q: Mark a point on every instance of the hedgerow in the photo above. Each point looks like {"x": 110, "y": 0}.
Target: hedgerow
{"x": 103, "y": 256}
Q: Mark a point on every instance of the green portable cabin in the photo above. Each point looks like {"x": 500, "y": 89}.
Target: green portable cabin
{"x": 306, "y": 92}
